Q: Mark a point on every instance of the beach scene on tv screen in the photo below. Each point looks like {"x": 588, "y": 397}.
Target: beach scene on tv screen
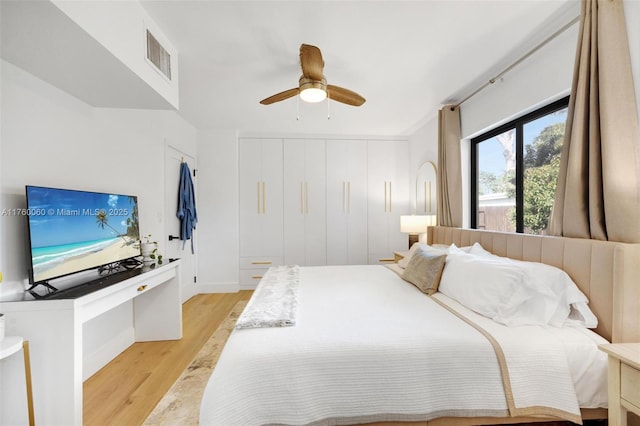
{"x": 74, "y": 231}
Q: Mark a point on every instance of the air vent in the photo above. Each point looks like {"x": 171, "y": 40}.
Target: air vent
{"x": 158, "y": 56}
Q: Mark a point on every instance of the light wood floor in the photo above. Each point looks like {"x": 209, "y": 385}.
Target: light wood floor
{"x": 127, "y": 389}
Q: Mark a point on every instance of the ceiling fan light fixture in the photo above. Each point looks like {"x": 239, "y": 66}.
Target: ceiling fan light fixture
{"x": 312, "y": 86}
{"x": 313, "y": 95}
{"x": 313, "y": 90}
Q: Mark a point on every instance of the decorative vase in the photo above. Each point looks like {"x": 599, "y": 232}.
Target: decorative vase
{"x": 146, "y": 249}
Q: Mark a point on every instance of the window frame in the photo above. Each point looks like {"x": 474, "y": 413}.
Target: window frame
{"x": 517, "y": 124}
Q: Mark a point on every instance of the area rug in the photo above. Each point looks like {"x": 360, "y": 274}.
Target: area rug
{"x": 181, "y": 405}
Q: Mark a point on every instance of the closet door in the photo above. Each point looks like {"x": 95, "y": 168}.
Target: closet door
{"x": 388, "y": 193}
{"x": 261, "y": 215}
{"x": 347, "y": 202}
{"x": 305, "y": 202}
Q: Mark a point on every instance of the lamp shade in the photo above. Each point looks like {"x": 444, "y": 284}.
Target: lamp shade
{"x": 414, "y": 224}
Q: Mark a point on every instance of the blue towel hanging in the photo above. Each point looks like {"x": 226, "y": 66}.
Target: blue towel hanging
{"x": 186, "y": 205}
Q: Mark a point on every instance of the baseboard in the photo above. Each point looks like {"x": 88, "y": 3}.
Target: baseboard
{"x": 204, "y": 288}
{"x": 248, "y": 286}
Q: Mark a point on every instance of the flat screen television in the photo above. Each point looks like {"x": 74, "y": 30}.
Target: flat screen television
{"x": 72, "y": 231}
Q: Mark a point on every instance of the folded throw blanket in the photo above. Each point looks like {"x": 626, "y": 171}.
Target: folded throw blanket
{"x": 275, "y": 301}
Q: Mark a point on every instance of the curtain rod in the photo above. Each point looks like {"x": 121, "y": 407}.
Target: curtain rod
{"x": 516, "y": 63}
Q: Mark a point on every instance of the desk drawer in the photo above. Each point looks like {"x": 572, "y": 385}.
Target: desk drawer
{"x": 630, "y": 384}
{"x": 103, "y": 300}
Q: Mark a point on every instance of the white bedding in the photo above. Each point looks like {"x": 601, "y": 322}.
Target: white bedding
{"x": 368, "y": 346}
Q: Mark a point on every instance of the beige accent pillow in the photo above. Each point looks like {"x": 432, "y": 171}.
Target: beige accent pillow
{"x": 425, "y": 270}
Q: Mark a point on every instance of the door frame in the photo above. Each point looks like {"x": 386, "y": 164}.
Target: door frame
{"x": 188, "y": 288}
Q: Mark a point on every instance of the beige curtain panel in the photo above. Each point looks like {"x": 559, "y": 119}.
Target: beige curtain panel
{"x": 598, "y": 192}
{"x": 449, "y": 168}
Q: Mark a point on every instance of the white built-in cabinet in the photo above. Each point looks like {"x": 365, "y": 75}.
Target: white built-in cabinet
{"x": 261, "y": 207}
{"x": 347, "y": 202}
{"x": 318, "y": 202}
{"x": 305, "y": 212}
{"x": 388, "y": 198}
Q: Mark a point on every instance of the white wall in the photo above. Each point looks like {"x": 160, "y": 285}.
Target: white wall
{"x": 542, "y": 78}
{"x": 127, "y": 41}
{"x": 50, "y": 138}
{"x": 218, "y": 210}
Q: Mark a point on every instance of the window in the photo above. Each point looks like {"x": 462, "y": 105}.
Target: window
{"x": 514, "y": 171}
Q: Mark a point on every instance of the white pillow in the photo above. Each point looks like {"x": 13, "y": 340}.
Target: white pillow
{"x": 491, "y": 288}
{"x": 555, "y": 299}
{"x": 454, "y": 248}
{"x": 555, "y": 285}
{"x": 478, "y": 250}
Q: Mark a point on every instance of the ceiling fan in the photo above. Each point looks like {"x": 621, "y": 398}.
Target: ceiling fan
{"x": 312, "y": 86}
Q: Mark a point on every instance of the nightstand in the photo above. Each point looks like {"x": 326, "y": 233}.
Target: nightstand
{"x": 399, "y": 255}
{"x": 624, "y": 381}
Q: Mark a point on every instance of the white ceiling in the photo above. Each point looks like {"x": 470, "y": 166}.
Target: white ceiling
{"x": 405, "y": 57}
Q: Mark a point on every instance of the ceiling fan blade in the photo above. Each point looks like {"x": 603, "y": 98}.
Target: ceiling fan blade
{"x": 311, "y": 62}
{"x": 280, "y": 96}
{"x": 346, "y": 96}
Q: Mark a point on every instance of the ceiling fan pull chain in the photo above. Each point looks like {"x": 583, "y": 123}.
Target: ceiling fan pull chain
{"x": 328, "y": 108}
{"x": 297, "y": 108}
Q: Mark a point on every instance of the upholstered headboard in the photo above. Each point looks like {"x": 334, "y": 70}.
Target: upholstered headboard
{"x": 608, "y": 273}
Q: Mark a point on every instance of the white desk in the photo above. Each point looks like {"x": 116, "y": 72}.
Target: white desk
{"x": 54, "y": 330}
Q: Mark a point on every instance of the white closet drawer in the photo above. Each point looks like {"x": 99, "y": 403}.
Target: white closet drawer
{"x": 260, "y": 262}
{"x": 251, "y": 277}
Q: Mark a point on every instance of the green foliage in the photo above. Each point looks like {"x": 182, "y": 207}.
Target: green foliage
{"x": 542, "y": 164}
{"x": 539, "y": 193}
{"x": 156, "y": 256}
{"x": 490, "y": 183}
{"x": 545, "y": 147}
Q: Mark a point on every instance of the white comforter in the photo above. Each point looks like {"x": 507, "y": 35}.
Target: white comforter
{"x": 368, "y": 346}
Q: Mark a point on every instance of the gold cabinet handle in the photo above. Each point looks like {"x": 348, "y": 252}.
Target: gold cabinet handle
{"x": 142, "y": 287}
{"x": 346, "y": 196}
{"x": 261, "y": 262}
{"x": 259, "y": 199}
{"x": 385, "y": 196}
{"x": 387, "y": 259}
{"x": 256, "y": 277}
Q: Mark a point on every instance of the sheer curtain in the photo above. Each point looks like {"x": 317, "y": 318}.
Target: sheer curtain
{"x": 449, "y": 168}
{"x": 598, "y": 192}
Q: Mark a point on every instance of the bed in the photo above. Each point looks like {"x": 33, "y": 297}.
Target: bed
{"x": 366, "y": 346}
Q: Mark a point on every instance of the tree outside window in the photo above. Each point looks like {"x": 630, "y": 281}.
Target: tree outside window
{"x": 515, "y": 171}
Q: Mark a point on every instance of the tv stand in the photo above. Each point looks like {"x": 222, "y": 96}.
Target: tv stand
{"x": 44, "y": 284}
{"x": 54, "y": 328}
